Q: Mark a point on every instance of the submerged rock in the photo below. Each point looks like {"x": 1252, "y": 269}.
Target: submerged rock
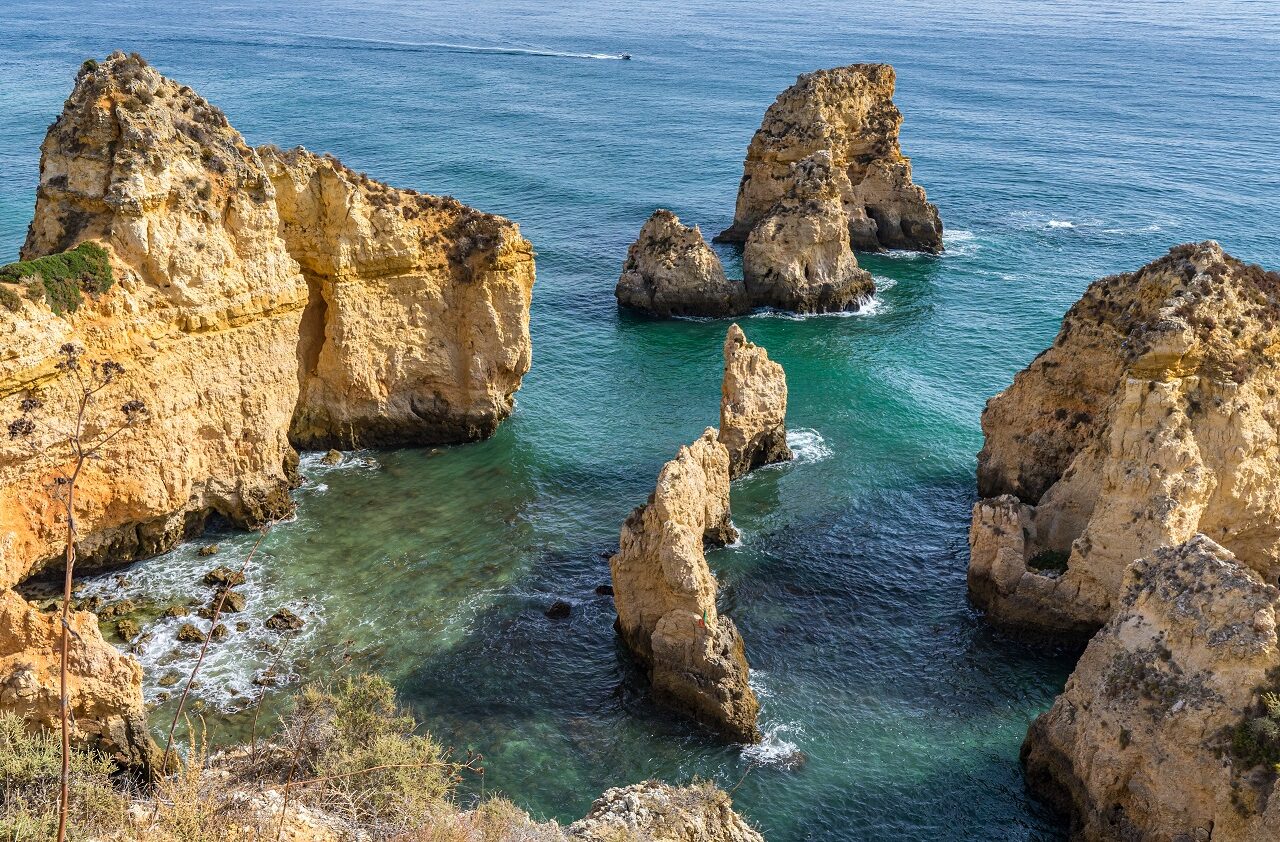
{"x": 665, "y": 594}
{"x": 284, "y": 620}
{"x": 847, "y": 113}
{"x": 104, "y": 684}
{"x": 753, "y": 406}
{"x": 663, "y": 813}
{"x": 798, "y": 257}
{"x": 333, "y": 457}
{"x": 254, "y": 292}
{"x": 559, "y": 610}
{"x": 1149, "y": 419}
{"x": 224, "y": 577}
{"x": 671, "y": 271}
{"x": 208, "y": 550}
{"x": 1164, "y": 730}
{"x": 190, "y": 633}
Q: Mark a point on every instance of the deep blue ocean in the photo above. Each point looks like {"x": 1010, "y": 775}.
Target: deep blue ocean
{"x": 1061, "y": 141}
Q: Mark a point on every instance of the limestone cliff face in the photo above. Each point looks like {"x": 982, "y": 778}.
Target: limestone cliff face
{"x": 418, "y": 325}
{"x": 671, "y": 271}
{"x": 666, "y": 596}
{"x": 753, "y": 406}
{"x": 663, "y": 813}
{"x": 1140, "y": 743}
{"x": 256, "y": 292}
{"x": 798, "y": 257}
{"x": 847, "y": 112}
{"x": 104, "y": 685}
{"x": 1151, "y": 418}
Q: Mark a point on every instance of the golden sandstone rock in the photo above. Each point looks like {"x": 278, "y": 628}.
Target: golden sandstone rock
{"x": 104, "y": 684}
{"x": 664, "y": 591}
{"x": 1140, "y": 743}
{"x": 847, "y": 112}
{"x": 1151, "y": 418}
{"x": 671, "y": 271}
{"x": 662, "y": 813}
{"x": 257, "y": 292}
{"x": 753, "y": 406}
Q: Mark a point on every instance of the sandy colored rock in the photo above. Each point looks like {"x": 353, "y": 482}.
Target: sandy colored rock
{"x": 663, "y": 813}
{"x": 797, "y": 257}
{"x": 671, "y": 271}
{"x": 1138, "y": 746}
{"x": 417, "y": 327}
{"x": 665, "y": 594}
{"x": 847, "y": 112}
{"x": 753, "y": 406}
{"x": 1151, "y": 418}
{"x": 105, "y": 685}
{"x": 213, "y": 317}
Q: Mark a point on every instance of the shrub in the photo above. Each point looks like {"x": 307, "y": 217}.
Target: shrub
{"x": 29, "y": 770}
{"x": 1256, "y": 740}
{"x": 9, "y": 299}
{"x": 64, "y": 276}
{"x": 1050, "y": 560}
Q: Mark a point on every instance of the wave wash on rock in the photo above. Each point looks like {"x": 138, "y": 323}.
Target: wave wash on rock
{"x": 1152, "y": 417}
{"x": 257, "y": 292}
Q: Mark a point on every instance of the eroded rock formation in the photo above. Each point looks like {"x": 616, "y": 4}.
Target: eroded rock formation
{"x": 666, "y": 596}
{"x": 417, "y": 330}
{"x": 848, "y": 113}
{"x": 753, "y": 406}
{"x": 238, "y": 274}
{"x": 1151, "y": 418}
{"x": 663, "y": 813}
{"x": 1146, "y": 740}
{"x": 104, "y": 685}
{"x": 797, "y": 257}
{"x": 671, "y": 271}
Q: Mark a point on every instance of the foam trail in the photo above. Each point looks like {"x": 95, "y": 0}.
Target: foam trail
{"x": 415, "y": 46}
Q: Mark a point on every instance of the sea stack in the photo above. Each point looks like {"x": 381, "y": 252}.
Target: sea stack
{"x": 257, "y": 294}
{"x": 798, "y": 258}
{"x": 665, "y": 594}
{"x": 753, "y": 406}
{"x": 1169, "y": 728}
{"x": 1151, "y": 418}
{"x": 671, "y": 271}
{"x": 847, "y": 112}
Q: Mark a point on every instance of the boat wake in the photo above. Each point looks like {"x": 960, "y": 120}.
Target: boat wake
{"x": 422, "y": 46}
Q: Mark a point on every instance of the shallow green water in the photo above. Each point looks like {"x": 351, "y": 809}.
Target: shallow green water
{"x": 1061, "y": 142}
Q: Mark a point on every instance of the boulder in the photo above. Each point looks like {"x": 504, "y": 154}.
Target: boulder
{"x": 660, "y": 812}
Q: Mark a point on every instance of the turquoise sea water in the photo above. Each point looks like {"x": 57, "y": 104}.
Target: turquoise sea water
{"x": 1061, "y": 141}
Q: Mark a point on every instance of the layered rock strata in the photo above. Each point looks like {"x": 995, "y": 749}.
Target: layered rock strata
{"x": 848, "y": 113}
{"x": 663, "y": 813}
{"x": 257, "y": 292}
{"x": 665, "y": 594}
{"x": 1163, "y": 730}
{"x": 1152, "y": 417}
{"x": 797, "y": 257}
{"x": 753, "y": 406}
{"x": 671, "y": 271}
{"x": 104, "y": 685}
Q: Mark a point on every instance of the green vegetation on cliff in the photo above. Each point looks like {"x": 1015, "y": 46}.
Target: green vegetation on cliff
{"x": 62, "y": 278}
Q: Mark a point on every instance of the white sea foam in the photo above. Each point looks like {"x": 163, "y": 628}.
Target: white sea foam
{"x": 872, "y": 306}
{"x": 774, "y": 748}
{"x": 807, "y": 445}
{"x": 1061, "y": 223}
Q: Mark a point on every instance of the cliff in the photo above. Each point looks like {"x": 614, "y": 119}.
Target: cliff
{"x": 1163, "y": 732}
{"x": 417, "y": 326}
{"x": 254, "y": 293}
{"x": 753, "y": 406}
{"x": 1152, "y": 417}
{"x": 666, "y": 596}
{"x": 671, "y": 271}
{"x": 848, "y": 113}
